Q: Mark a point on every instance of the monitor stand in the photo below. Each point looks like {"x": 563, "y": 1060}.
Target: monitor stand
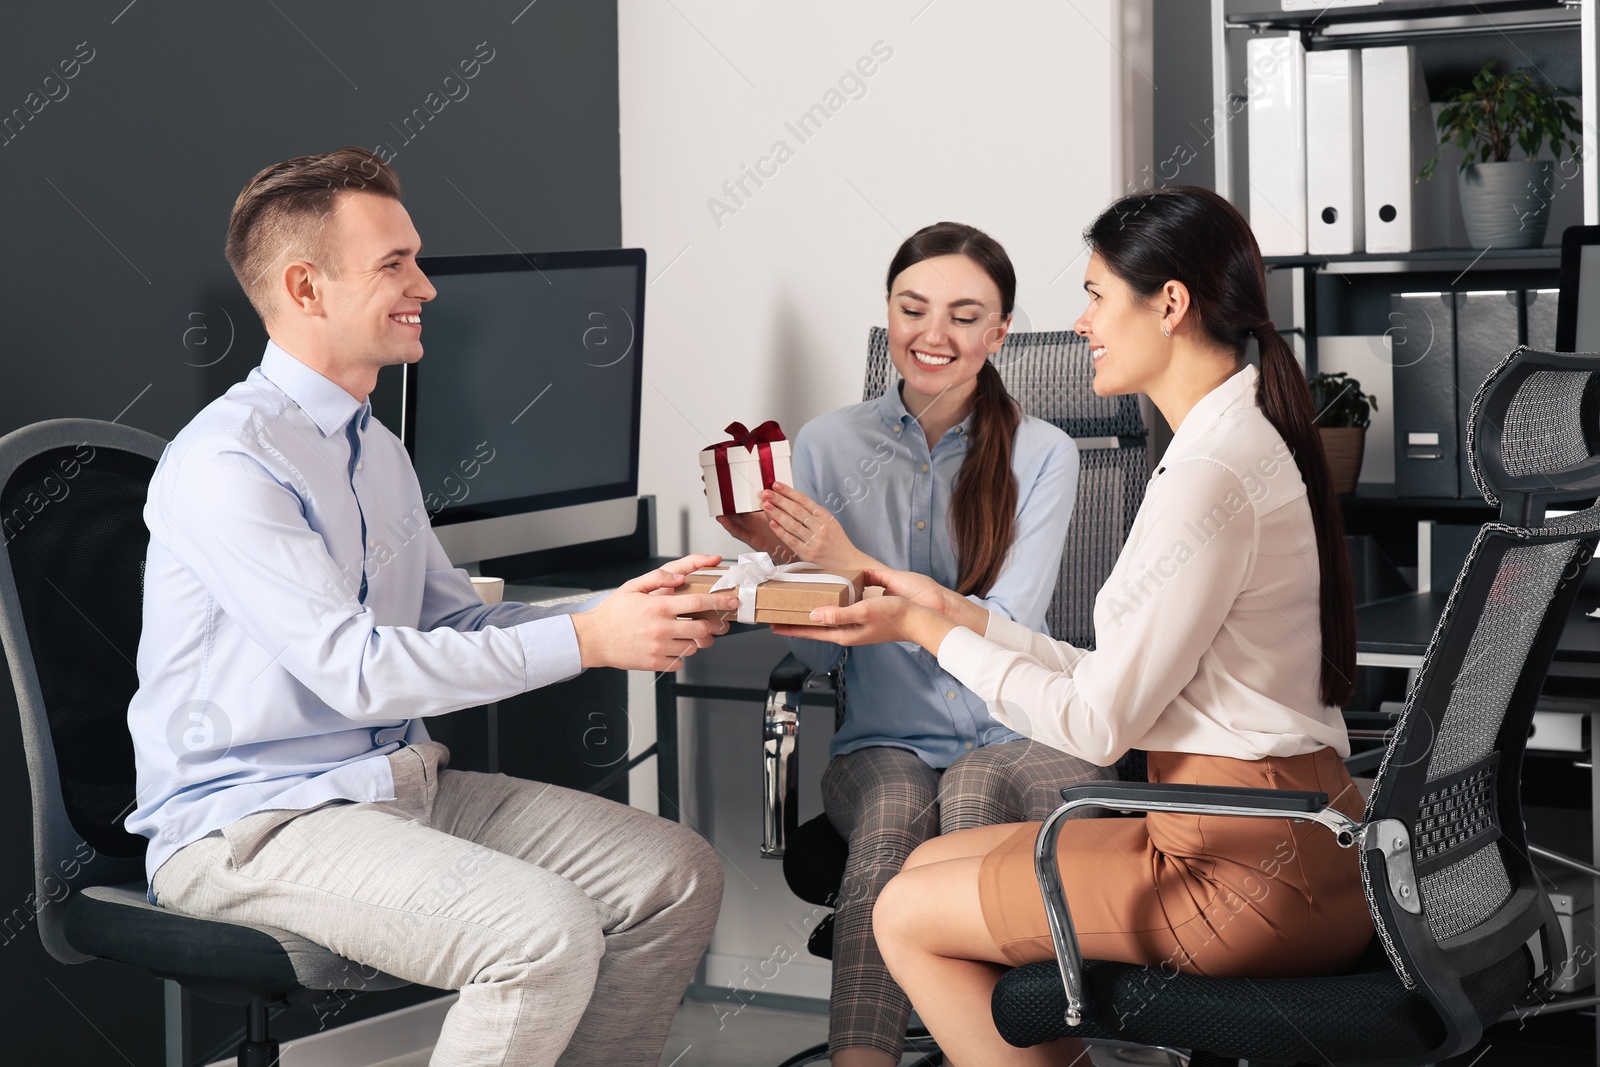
{"x": 538, "y": 531}
{"x": 599, "y": 564}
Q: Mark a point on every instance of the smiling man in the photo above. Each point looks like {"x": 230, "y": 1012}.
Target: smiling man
{"x": 285, "y": 668}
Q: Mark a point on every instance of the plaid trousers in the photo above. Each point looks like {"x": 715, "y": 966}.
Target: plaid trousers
{"x": 887, "y": 801}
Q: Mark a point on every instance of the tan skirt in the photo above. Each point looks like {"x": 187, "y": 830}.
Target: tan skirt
{"x": 1212, "y": 895}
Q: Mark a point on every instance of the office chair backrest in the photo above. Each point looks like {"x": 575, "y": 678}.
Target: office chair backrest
{"x": 1052, "y": 377}
{"x": 1448, "y": 877}
{"x": 71, "y": 496}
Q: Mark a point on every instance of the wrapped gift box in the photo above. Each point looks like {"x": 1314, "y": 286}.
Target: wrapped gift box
{"x": 786, "y": 599}
{"x": 737, "y": 470}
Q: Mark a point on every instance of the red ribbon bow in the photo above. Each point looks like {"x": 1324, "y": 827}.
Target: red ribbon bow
{"x": 759, "y": 441}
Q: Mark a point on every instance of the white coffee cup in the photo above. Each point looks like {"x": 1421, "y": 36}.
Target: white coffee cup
{"x": 490, "y": 590}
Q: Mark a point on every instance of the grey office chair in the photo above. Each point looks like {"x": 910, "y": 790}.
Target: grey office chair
{"x": 72, "y": 493}
{"x": 1051, "y": 376}
{"x": 1464, "y": 924}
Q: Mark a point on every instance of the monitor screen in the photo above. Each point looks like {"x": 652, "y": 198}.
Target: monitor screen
{"x": 1578, "y": 314}
{"x": 527, "y": 396}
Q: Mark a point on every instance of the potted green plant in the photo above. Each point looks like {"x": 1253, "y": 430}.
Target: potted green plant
{"x": 1343, "y": 414}
{"x": 1504, "y": 202}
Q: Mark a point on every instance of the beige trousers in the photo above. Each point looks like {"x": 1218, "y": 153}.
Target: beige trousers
{"x": 570, "y": 924}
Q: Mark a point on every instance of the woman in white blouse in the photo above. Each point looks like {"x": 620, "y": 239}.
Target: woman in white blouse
{"x": 1225, "y": 646}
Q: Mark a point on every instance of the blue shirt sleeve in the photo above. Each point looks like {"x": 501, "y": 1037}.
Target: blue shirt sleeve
{"x": 1044, "y": 512}
{"x": 244, "y": 535}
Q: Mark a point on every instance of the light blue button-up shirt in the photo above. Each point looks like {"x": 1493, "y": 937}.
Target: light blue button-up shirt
{"x": 872, "y": 467}
{"x": 300, "y": 616}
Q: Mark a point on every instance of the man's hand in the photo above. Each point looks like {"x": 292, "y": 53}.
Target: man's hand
{"x": 809, "y": 530}
{"x": 874, "y": 621}
{"x": 637, "y": 628}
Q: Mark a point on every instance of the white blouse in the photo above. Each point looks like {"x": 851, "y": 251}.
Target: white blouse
{"x": 1208, "y": 630}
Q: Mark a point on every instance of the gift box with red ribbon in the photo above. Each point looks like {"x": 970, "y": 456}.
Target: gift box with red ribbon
{"x": 738, "y": 469}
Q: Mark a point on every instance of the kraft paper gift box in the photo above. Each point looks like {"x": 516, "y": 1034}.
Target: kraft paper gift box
{"x": 737, "y": 470}
{"x": 769, "y": 593}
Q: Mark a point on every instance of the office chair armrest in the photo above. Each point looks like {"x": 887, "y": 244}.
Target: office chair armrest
{"x": 1157, "y": 796}
{"x": 780, "y": 760}
{"x": 1132, "y": 796}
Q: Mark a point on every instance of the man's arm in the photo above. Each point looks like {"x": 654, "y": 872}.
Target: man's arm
{"x": 448, "y": 599}
{"x": 243, "y": 534}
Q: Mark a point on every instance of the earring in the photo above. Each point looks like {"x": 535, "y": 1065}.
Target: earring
{"x": 1165, "y": 332}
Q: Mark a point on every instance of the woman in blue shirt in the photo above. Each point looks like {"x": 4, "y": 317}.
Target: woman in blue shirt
{"x": 942, "y": 475}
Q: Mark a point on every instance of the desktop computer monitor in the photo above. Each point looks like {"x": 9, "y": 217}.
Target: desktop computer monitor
{"x": 1578, "y": 308}
{"x": 522, "y": 417}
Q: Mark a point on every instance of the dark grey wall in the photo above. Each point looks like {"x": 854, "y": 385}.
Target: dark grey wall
{"x": 115, "y": 187}
{"x": 1183, "y": 127}
{"x": 117, "y": 195}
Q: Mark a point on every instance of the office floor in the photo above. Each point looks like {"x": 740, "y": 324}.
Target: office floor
{"x": 704, "y": 1035}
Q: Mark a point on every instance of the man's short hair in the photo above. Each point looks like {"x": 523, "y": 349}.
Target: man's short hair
{"x": 282, "y": 215}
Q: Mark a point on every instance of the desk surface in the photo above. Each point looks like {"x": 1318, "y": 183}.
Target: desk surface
{"x": 1403, "y": 625}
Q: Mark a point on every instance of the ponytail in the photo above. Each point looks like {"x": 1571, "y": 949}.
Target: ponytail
{"x": 1189, "y": 234}
{"x": 983, "y": 508}
{"x": 1285, "y": 400}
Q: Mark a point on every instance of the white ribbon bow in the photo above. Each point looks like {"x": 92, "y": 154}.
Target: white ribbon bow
{"x": 756, "y": 568}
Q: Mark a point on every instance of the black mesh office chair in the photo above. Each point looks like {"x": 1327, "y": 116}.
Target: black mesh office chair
{"x": 1051, "y": 376}
{"x": 71, "y": 585}
{"x": 1464, "y": 924}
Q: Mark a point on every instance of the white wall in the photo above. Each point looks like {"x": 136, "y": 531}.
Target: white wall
{"x": 1001, "y": 114}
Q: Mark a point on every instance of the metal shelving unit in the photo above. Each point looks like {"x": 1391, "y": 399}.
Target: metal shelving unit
{"x": 1399, "y": 22}
{"x": 1439, "y": 259}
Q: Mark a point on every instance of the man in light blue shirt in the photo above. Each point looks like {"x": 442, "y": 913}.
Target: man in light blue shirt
{"x": 301, "y": 619}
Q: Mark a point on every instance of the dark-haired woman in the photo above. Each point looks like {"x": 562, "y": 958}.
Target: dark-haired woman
{"x": 1225, "y": 647}
{"x": 942, "y": 476}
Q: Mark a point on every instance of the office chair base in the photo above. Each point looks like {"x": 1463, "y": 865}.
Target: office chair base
{"x": 258, "y": 1053}
{"x": 258, "y": 1049}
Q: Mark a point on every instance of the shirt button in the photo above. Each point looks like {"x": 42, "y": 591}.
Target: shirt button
{"x": 967, "y": 745}
{"x": 951, "y": 695}
{"x": 921, "y": 524}
{"x": 358, "y": 464}
{"x": 897, "y": 429}
{"x": 924, "y": 468}
{"x": 372, "y": 544}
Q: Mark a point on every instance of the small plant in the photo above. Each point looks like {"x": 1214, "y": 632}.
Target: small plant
{"x": 1339, "y": 402}
{"x": 1502, "y": 110}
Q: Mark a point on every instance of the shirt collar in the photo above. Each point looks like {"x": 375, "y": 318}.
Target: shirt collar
{"x": 328, "y": 405}
{"x": 892, "y": 409}
{"x": 1238, "y": 389}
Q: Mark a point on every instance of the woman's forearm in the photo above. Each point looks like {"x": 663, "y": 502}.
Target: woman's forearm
{"x": 963, "y": 612}
{"x": 926, "y": 628}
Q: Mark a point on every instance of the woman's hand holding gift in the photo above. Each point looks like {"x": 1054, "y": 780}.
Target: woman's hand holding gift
{"x": 874, "y": 621}
{"x": 808, "y": 530}
{"x": 913, "y": 608}
{"x": 923, "y": 591}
